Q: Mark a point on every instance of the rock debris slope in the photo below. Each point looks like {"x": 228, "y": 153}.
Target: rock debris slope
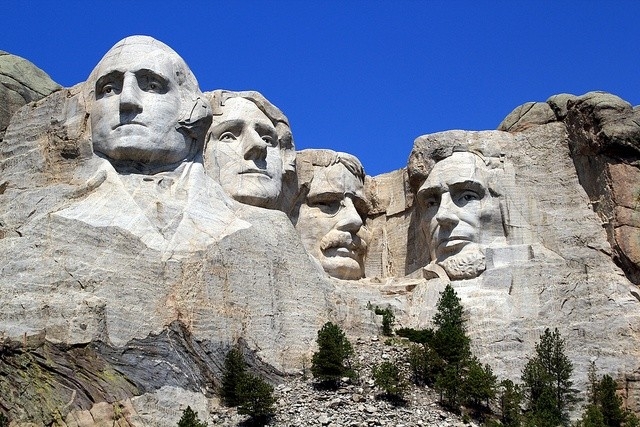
{"x": 121, "y": 291}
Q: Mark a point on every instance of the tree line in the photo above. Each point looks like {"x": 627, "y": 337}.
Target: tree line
{"x": 441, "y": 358}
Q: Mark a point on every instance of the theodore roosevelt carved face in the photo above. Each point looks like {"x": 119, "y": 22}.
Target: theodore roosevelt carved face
{"x": 144, "y": 105}
{"x": 330, "y": 219}
{"x": 460, "y": 214}
{"x": 248, "y": 148}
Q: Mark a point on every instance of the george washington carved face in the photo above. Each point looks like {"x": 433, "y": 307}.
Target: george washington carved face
{"x": 143, "y": 94}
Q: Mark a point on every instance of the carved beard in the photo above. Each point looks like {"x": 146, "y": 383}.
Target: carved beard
{"x": 465, "y": 265}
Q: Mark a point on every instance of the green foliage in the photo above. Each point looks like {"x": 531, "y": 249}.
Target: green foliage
{"x": 631, "y": 420}
{"x": 4, "y": 421}
{"x": 232, "y": 374}
{"x": 547, "y": 384}
{"x": 190, "y": 419}
{"x": 448, "y": 384}
{"x": 425, "y": 364}
{"x": 479, "y": 386}
{"x": 450, "y": 338}
{"x": 510, "y": 401}
{"x": 420, "y": 336}
{"x": 388, "y": 319}
{"x": 605, "y": 406}
{"x": 256, "y": 398}
{"x": 610, "y": 403}
{"x": 592, "y": 417}
{"x": 331, "y": 361}
{"x": 388, "y": 377}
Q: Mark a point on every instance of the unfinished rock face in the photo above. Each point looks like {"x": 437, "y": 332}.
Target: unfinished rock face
{"x": 21, "y": 82}
{"x": 129, "y": 267}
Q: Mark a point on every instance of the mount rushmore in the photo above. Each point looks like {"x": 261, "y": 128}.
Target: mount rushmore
{"x": 146, "y": 227}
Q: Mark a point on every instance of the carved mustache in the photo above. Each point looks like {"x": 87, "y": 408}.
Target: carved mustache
{"x": 343, "y": 239}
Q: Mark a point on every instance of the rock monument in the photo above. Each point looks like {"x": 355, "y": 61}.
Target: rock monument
{"x": 331, "y": 211}
{"x": 147, "y": 227}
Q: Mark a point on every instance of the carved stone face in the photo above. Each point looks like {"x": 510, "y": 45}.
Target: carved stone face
{"x": 330, "y": 220}
{"x": 459, "y": 214}
{"x": 245, "y": 154}
{"x": 137, "y": 106}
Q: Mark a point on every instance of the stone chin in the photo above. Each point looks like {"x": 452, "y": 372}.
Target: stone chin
{"x": 259, "y": 191}
{"x": 345, "y": 266}
{"x": 467, "y": 264}
{"x": 134, "y": 145}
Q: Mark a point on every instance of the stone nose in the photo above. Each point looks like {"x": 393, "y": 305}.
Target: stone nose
{"x": 349, "y": 218}
{"x": 130, "y": 101}
{"x": 447, "y": 215}
{"x": 255, "y": 148}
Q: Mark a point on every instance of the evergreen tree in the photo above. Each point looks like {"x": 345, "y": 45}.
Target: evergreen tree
{"x": 450, "y": 338}
{"x": 592, "y": 417}
{"x": 448, "y": 384}
{"x": 510, "y": 400}
{"x": 331, "y": 361}
{"x": 547, "y": 382}
{"x": 452, "y": 345}
{"x": 388, "y": 377}
{"x": 190, "y": 419}
{"x": 610, "y": 403}
{"x": 256, "y": 399}
{"x": 425, "y": 364}
{"x": 479, "y": 385}
{"x": 388, "y": 319}
{"x": 232, "y": 374}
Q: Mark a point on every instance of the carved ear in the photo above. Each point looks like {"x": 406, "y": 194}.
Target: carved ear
{"x": 288, "y": 149}
{"x": 197, "y": 119}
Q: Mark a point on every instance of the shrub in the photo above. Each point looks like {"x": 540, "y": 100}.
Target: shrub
{"x": 190, "y": 419}
{"x": 256, "y": 398}
{"x": 419, "y": 336}
{"x": 331, "y": 361}
{"x": 232, "y": 374}
{"x": 388, "y": 378}
{"x": 546, "y": 382}
{"x": 388, "y": 319}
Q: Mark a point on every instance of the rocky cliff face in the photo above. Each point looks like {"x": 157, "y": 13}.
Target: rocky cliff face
{"x": 122, "y": 291}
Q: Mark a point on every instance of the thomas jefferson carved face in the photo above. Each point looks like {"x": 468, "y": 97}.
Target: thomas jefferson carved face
{"x": 331, "y": 220}
{"x": 245, "y": 154}
{"x": 460, "y": 215}
{"x": 138, "y": 101}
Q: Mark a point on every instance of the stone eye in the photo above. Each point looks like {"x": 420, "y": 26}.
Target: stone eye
{"x": 227, "y": 137}
{"x": 468, "y": 196}
{"x": 108, "y": 89}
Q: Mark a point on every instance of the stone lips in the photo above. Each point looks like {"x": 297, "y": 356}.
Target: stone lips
{"x": 142, "y": 320}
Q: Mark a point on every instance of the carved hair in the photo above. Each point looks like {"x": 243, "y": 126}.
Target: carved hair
{"x": 326, "y": 158}
{"x": 431, "y": 149}
{"x": 218, "y": 99}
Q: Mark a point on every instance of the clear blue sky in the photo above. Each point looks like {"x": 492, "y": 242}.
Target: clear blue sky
{"x": 366, "y": 77}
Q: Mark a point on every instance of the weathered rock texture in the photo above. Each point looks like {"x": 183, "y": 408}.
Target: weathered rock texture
{"x": 21, "y": 82}
{"x": 106, "y": 319}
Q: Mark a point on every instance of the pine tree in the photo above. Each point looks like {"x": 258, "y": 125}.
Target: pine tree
{"x": 479, "y": 385}
{"x": 452, "y": 345}
{"x": 388, "y": 319}
{"x": 256, "y": 399}
{"x": 510, "y": 400}
{"x": 610, "y": 403}
{"x": 450, "y": 338}
{"x": 232, "y": 374}
{"x": 331, "y": 361}
{"x": 190, "y": 419}
{"x": 388, "y": 377}
{"x": 547, "y": 382}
